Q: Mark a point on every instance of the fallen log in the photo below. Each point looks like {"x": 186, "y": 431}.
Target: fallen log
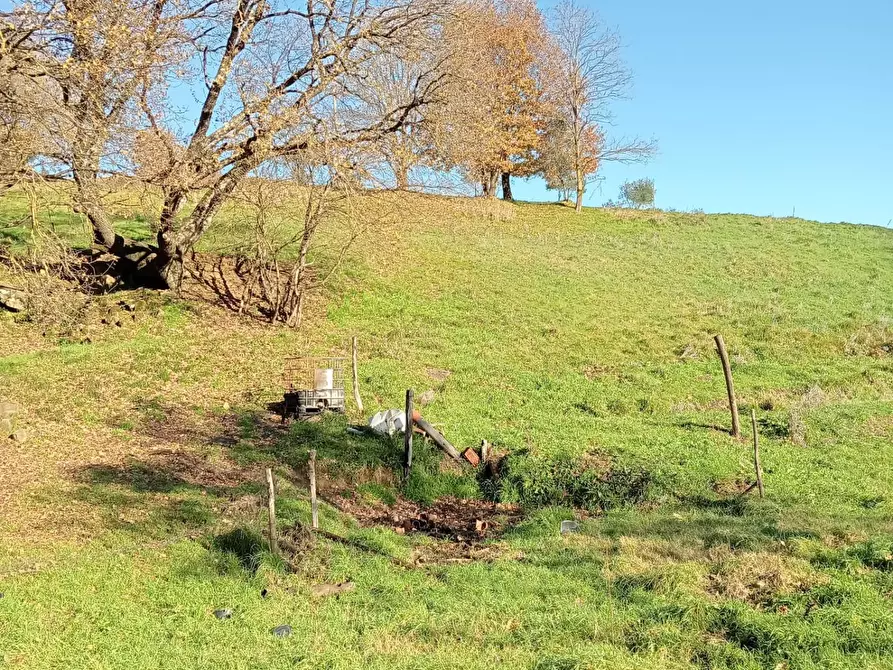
{"x": 437, "y": 438}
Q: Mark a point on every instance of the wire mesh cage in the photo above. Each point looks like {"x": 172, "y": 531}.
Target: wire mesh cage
{"x": 313, "y": 384}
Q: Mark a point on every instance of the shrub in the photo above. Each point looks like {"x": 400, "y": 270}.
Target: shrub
{"x": 638, "y": 193}
{"x": 563, "y": 481}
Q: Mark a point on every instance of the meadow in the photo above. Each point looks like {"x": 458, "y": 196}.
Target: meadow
{"x": 580, "y": 346}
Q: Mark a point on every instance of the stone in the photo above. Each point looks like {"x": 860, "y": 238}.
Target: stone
{"x": 222, "y": 614}
{"x": 20, "y": 436}
{"x": 426, "y": 398}
{"x": 281, "y": 631}
{"x": 12, "y": 299}
{"x": 569, "y": 527}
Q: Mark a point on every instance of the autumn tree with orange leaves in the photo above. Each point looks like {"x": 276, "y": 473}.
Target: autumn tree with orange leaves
{"x": 496, "y": 109}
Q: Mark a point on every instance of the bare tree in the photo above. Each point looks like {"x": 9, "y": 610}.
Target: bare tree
{"x": 389, "y": 84}
{"x": 271, "y": 76}
{"x": 589, "y": 75}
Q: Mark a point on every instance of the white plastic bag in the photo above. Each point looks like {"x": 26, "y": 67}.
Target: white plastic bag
{"x": 389, "y": 422}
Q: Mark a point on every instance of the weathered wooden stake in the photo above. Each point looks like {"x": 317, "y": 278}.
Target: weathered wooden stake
{"x": 314, "y": 506}
{"x": 438, "y": 439}
{"x": 356, "y": 378}
{"x": 756, "y": 451}
{"x": 271, "y": 506}
{"x": 485, "y": 452}
{"x": 407, "y": 436}
{"x": 730, "y": 386}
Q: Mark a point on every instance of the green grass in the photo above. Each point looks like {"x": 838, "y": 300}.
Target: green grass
{"x": 568, "y": 340}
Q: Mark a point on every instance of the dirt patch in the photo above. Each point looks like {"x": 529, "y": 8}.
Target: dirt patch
{"x": 595, "y": 371}
{"x": 443, "y": 553}
{"x": 459, "y": 521}
{"x": 438, "y": 375}
{"x": 166, "y": 470}
{"x": 732, "y": 486}
{"x": 880, "y": 426}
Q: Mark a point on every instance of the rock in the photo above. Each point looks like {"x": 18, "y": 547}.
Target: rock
{"x": 426, "y": 398}
{"x": 12, "y": 299}
{"x": 222, "y": 614}
{"x": 281, "y": 631}
{"x": 20, "y": 436}
{"x": 569, "y": 527}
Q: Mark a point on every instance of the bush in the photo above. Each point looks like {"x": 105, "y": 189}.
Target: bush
{"x": 638, "y": 193}
{"x": 563, "y": 481}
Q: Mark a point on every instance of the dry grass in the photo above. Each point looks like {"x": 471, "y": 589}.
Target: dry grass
{"x": 758, "y": 577}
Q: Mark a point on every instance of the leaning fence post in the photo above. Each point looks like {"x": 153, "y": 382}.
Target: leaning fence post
{"x": 756, "y": 451}
{"x": 271, "y": 507}
{"x": 356, "y": 378}
{"x": 407, "y": 436}
{"x": 730, "y": 386}
{"x": 314, "y": 506}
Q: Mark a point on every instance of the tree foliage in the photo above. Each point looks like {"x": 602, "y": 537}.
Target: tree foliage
{"x": 496, "y": 107}
{"x": 638, "y": 193}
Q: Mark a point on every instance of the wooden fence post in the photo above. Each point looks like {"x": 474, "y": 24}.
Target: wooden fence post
{"x": 756, "y": 451}
{"x": 314, "y": 506}
{"x": 356, "y": 378}
{"x": 730, "y": 386}
{"x": 407, "y": 436}
{"x": 271, "y": 507}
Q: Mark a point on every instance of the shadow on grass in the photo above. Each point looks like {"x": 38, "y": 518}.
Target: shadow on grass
{"x": 212, "y": 469}
{"x": 692, "y": 425}
{"x": 245, "y": 545}
{"x": 213, "y": 474}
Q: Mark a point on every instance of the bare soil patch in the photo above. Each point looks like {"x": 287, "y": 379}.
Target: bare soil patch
{"x": 467, "y": 522}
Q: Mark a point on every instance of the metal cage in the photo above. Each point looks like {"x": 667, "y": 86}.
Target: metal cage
{"x": 313, "y": 385}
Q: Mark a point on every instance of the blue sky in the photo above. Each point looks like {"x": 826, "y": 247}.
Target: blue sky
{"x": 759, "y": 107}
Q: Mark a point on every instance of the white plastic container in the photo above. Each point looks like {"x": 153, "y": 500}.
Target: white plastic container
{"x": 323, "y": 379}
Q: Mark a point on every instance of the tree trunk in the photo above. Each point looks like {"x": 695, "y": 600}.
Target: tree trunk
{"x": 85, "y": 170}
{"x": 489, "y": 183}
{"x": 507, "y": 187}
{"x": 401, "y": 174}
{"x": 298, "y": 278}
{"x": 493, "y": 185}
{"x": 581, "y": 189}
{"x": 174, "y": 245}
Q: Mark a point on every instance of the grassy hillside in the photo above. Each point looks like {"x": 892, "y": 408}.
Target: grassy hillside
{"x": 577, "y": 344}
